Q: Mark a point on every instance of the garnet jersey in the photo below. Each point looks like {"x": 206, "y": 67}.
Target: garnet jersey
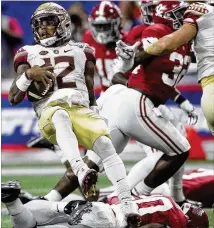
{"x": 199, "y": 185}
{"x": 161, "y": 75}
{"x": 156, "y": 209}
{"x": 104, "y": 58}
{"x": 202, "y": 16}
{"x": 69, "y": 67}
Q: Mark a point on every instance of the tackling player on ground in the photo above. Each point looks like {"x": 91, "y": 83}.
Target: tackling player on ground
{"x": 157, "y": 211}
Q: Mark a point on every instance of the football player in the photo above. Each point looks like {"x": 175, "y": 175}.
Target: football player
{"x": 157, "y": 211}
{"x": 151, "y": 85}
{"x": 105, "y": 30}
{"x": 198, "y": 26}
{"x": 94, "y": 161}
{"x": 57, "y": 75}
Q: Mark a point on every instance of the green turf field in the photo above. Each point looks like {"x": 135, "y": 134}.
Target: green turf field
{"x": 40, "y": 185}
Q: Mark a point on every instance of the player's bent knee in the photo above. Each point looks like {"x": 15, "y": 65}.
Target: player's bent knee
{"x": 103, "y": 147}
{"x": 60, "y": 115}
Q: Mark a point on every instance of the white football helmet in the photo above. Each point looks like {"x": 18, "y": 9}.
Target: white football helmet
{"x": 55, "y": 16}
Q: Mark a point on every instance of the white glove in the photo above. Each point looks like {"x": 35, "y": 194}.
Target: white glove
{"x": 126, "y": 54}
{"x": 189, "y": 109}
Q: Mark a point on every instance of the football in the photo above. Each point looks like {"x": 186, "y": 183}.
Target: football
{"x": 37, "y": 90}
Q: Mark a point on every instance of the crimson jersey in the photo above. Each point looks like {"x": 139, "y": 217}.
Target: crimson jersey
{"x": 161, "y": 75}
{"x": 157, "y": 209}
{"x": 134, "y": 34}
{"x": 104, "y": 58}
{"x": 198, "y": 185}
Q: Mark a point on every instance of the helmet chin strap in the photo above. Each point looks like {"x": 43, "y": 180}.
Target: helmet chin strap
{"x": 48, "y": 41}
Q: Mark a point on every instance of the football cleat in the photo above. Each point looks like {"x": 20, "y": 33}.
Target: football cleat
{"x": 87, "y": 180}
{"x": 40, "y": 142}
{"x": 194, "y": 203}
{"x": 10, "y": 191}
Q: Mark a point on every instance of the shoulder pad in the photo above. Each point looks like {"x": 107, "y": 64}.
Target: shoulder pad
{"x": 197, "y": 9}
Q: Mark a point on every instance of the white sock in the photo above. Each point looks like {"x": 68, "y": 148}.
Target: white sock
{"x": 67, "y": 140}
{"x": 142, "y": 189}
{"x": 53, "y": 195}
{"x": 176, "y": 185}
{"x": 115, "y": 171}
{"x": 142, "y": 169}
{"x": 20, "y": 216}
{"x": 114, "y": 167}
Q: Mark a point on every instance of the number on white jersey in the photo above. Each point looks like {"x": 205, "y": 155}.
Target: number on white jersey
{"x": 69, "y": 60}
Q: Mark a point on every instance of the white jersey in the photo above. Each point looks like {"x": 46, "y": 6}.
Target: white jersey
{"x": 201, "y": 15}
{"x": 69, "y": 67}
{"x": 204, "y": 45}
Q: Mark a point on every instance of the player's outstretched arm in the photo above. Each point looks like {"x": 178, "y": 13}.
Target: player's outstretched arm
{"x": 25, "y": 76}
{"x": 119, "y": 78}
{"x": 89, "y": 78}
{"x": 172, "y": 41}
{"x": 15, "y": 94}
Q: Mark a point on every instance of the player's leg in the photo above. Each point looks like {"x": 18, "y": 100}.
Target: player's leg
{"x": 207, "y": 103}
{"x": 93, "y": 134}
{"x": 20, "y": 215}
{"x": 56, "y": 125}
{"x": 147, "y": 126}
{"x": 69, "y": 183}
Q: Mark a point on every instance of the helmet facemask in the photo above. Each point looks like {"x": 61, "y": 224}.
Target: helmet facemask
{"x": 105, "y": 31}
{"x": 147, "y": 12}
{"x": 51, "y": 24}
{"x": 176, "y": 15}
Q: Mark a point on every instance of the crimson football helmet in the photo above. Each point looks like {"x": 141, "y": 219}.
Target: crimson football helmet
{"x": 170, "y": 13}
{"x": 197, "y": 217}
{"x": 55, "y": 18}
{"x": 147, "y": 8}
{"x": 105, "y": 22}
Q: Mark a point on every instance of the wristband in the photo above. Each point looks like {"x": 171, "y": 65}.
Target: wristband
{"x": 23, "y": 83}
{"x": 179, "y": 99}
{"x": 187, "y": 106}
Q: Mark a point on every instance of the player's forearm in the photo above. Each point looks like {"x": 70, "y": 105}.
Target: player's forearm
{"x": 142, "y": 57}
{"x": 171, "y": 42}
{"x": 16, "y": 95}
{"x": 119, "y": 78}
